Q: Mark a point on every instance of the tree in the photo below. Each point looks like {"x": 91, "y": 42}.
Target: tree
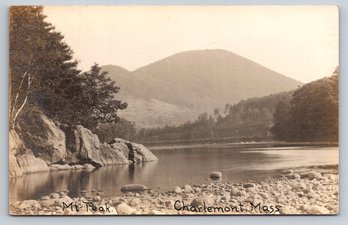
{"x": 43, "y": 75}
{"x": 216, "y": 113}
{"x": 122, "y": 129}
{"x": 42, "y": 69}
{"x": 314, "y": 111}
{"x": 281, "y": 121}
{"x": 97, "y": 103}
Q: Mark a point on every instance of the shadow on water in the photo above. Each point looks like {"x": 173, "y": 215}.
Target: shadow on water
{"x": 108, "y": 179}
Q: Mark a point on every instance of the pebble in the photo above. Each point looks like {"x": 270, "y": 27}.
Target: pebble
{"x": 187, "y": 188}
{"x": 314, "y": 175}
{"x": 317, "y": 210}
{"x": 177, "y": 190}
{"x": 201, "y": 200}
{"x": 54, "y": 195}
{"x": 134, "y": 202}
{"x": 124, "y": 209}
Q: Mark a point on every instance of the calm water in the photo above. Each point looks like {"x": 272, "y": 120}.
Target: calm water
{"x": 176, "y": 167}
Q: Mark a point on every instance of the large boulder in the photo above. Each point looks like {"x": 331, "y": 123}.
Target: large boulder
{"x": 21, "y": 159}
{"x": 136, "y": 152}
{"x": 113, "y": 154}
{"x": 83, "y": 146}
{"x": 42, "y": 136}
{"x": 15, "y": 145}
{"x": 31, "y": 164}
{"x": 142, "y": 154}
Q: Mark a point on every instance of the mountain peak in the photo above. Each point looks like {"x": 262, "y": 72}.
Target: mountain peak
{"x": 200, "y": 80}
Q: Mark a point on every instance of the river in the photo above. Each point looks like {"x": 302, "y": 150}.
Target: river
{"x": 177, "y": 166}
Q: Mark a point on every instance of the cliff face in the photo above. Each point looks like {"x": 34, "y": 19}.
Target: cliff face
{"x": 42, "y": 145}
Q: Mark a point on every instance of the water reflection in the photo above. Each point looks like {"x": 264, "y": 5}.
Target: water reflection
{"x": 175, "y": 167}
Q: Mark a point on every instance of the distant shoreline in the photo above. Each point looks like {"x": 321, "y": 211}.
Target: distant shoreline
{"x": 164, "y": 146}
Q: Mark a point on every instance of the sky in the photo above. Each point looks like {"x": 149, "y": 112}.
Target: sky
{"x": 300, "y": 42}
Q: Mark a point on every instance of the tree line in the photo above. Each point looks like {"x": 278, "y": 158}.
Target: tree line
{"x": 248, "y": 120}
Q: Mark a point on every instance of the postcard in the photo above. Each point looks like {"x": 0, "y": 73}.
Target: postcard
{"x": 173, "y": 110}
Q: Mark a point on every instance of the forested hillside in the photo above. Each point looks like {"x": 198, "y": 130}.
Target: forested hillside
{"x": 247, "y": 120}
{"x": 308, "y": 114}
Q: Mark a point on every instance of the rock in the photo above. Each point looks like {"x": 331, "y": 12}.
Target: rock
{"x": 187, "y": 188}
{"x": 29, "y": 204}
{"x": 113, "y": 154}
{"x": 288, "y": 210}
{"x": 313, "y": 175}
{"x": 169, "y": 204}
{"x": 112, "y": 210}
{"x": 299, "y": 187}
{"x": 317, "y": 210}
{"x": 82, "y": 145}
{"x": 142, "y": 154}
{"x": 77, "y": 167}
{"x": 250, "y": 190}
{"x": 45, "y": 197}
{"x": 294, "y": 176}
{"x": 88, "y": 167}
{"x": 215, "y": 175}
{"x": 43, "y": 137}
{"x": 201, "y": 200}
{"x": 247, "y": 185}
{"x": 59, "y": 201}
{"x": 134, "y": 188}
{"x": 42, "y": 142}
{"x": 134, "y": 202}
{"x": 30, "y": 164}
{"x": 264, "y": 195}
{"x": 177, "y": 190}
{"x": 124, "y": 209}
{"x": 54, "y": 195}
{"x": 15, "y": 147}
{"x": 235, "y": 192}
{"x": 48, "y": 203}
{"x": 136, "y": 152}
{"x": 54, "y": 167}
{"x": 226, "y": 196}
{"x": 197, "y": 189}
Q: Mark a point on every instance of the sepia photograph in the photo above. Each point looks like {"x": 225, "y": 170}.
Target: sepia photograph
{"x": 173, "y": 110}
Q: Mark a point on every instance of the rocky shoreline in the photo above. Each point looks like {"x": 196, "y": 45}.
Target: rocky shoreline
{"x": 41, "y": 144}
{"x": 294, "y": 192}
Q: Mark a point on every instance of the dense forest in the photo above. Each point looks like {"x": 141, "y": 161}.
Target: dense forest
{"x": 312, "y": 113}
{"x": 247, "y": 120}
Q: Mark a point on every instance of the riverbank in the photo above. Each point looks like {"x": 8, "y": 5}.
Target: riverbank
{"x": 297, "y": 191}
{"x": 169, "y": 146}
